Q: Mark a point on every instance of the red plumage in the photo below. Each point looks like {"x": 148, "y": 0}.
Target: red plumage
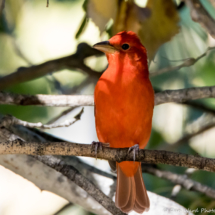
{"x": 124, "y": 102}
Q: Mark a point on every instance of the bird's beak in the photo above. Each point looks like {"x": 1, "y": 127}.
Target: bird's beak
{"x": 105, "y": 47}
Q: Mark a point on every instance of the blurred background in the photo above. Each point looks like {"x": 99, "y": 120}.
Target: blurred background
{"x": 31, "y": 33}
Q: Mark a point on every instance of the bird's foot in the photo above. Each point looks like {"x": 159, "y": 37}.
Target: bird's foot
{"x": 98, "y": 145}
{"x": 135, "y": 150}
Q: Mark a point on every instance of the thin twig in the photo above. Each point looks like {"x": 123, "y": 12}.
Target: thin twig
{"x": 187, "y": 63}
{"x": 182, "y": 180}
{"x": 187, "y": 137}
{"x": 199, "y": 14}
{"x": 177, "y": 188}
{"x": 11, "y": 120}
{"x": 60, "y": 115}
{"x": 119, "y": 155}
{"x": 47, "y": 3}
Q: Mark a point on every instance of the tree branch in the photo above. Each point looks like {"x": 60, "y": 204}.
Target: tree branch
{"x": 60, "y": 166}
{"x": 33, "y": 170}
{"x": 182, "y": 180}
{"x": 73, "y": 174}
{"x": 75, "y": 61}
{"x": 184, "y": 95}
{"x": 47, "y": 100}
{"x": 8, "y": 120}
{"x": 179, "y": 96}
{"x": 64, "y": 113}
{"x": 87, "y": 169}
{"x": 200, "y": 15}
{"x": 187, "y": 137}
{"x": 187, "y": 63}
{"x": 119, "y": 155}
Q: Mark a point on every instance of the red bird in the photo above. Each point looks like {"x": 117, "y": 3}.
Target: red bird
{"x": 124, "y": 103}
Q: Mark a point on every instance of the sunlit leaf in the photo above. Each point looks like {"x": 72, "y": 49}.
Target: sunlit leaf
{"x": 130, "y": 16}
{"x": 102, "y": 11}
{"x": 160, "y": 27}
{"x": 155, "y": 24}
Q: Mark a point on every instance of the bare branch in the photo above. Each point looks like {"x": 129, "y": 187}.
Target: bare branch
{"x": 42, "y": 175}
{"x": 73, "y": 174}
{"x": 49, "y": 179}
{"x": 187, "y": 63}
{"x": 196, "y": 130}
{"x": 200, "y": 15}
{"x": 47, "y": 100}
{"x": 70, "y": 173}
{"x": 187, "y": 137}
{"x": 119, "y": 155}
{"x": 182, "y": 180}
{"x": 75, "y": 61}
{"x": 33, "y": 170}
{"x": 177, "y": 188}
{"x": 60, "y": 115}
{"x": 7, "y": 121}
{"x": 174, "y": 178}
{"x": 179, "y": 96}
{"x": 184, "y": 95}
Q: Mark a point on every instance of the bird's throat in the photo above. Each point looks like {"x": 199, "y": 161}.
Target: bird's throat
{"x": 125, "y": 64}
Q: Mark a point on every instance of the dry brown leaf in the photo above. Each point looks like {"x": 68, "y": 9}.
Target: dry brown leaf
{"x": 130, "y": 16}
{"x": 155, "y": 24}
{"x": 101, "y": 11}
{"x": 160, "y": 27}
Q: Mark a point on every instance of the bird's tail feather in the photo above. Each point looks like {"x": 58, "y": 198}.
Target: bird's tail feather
{"x": 131, "y": 193}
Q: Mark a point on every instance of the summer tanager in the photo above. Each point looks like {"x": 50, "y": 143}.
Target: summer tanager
{"x": 124, "y": 103}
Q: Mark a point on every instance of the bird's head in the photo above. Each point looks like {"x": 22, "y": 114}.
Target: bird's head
{"x": 122, "y": 44}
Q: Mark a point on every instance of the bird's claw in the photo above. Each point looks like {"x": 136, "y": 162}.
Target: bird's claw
{"x": 135, "y": 150}
{"x": 98, "y": 145}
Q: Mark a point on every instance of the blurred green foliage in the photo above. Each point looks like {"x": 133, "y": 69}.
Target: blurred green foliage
{"x": 192, "y": 41}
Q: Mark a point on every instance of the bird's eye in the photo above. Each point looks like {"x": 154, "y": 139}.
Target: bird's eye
{"x": 125, "y": 46}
